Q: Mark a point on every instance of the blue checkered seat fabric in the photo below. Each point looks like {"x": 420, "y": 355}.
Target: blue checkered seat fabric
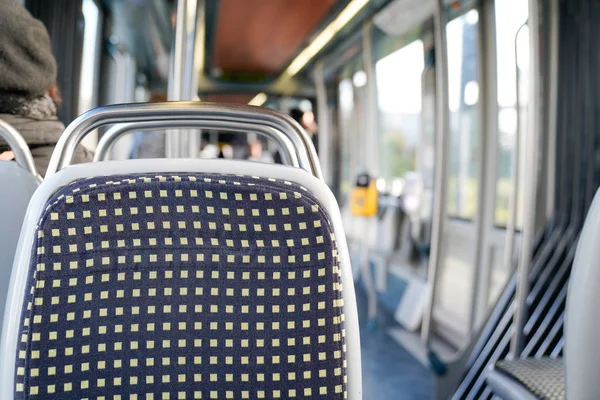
{"x": 186, "y": 286}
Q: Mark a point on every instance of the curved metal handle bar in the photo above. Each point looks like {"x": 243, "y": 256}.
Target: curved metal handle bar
{"x": 532, "y": 140}
{"x": 442, "y": 119}
{"x": 109, "y": 138}
{"x": 511, "y": 224}
{"x": 18, "y": 146}
{"x": 230, "y": 115}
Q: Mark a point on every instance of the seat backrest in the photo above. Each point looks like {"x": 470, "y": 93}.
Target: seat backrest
{"x": 183, "y": 285}
{"x": 17, "y": 186}
{"x": 18, "y": 181}
{"x": 582, "y": 324}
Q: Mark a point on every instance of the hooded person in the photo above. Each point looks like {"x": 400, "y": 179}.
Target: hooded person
{"x": 29, "y": 96}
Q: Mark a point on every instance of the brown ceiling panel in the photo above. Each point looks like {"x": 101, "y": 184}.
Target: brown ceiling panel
{"x": 261, "y": 36}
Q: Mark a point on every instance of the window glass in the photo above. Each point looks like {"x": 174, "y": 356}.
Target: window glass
{"x": 399, "y": 102}
{"x": 463, "y": 93}
{"x": 510, "y": 16}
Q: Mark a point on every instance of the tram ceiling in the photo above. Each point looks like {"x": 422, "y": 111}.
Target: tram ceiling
{"x": 256, "y": 43}
{"x": 249, "y": 44}
{"x": 262, "y": 36}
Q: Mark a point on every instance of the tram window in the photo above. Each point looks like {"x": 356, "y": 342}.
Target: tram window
{"x": 463, "y": 92}
{"x": 399, "y": 102}
{"x": 510, "y": 15}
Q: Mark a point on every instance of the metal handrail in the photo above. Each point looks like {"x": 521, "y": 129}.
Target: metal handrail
{"x": 225, "y": 116}
{"x": 325, "y": 134}
{"x": 511, "y": 224}
{"x": 186, "y": 66}
{"x": 289, "y": 156}
{"x": 18, "y": 146}
{"x": 440, "y": 183}
{"x": 119, "y": 58}
{"x": 531, "y": 180}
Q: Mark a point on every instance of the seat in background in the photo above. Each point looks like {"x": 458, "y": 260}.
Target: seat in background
{"x": 577, "y": 376}
{"x": 17, "y": 185}
{"x": 528, "y": 379}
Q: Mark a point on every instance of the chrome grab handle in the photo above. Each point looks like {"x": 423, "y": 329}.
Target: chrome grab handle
{"x": 110, "y": 136}
{"x": 286, "y": 132}
{"x": 440, "y": 181}
{"x": 18, "y": 146}
{"x": 511, "y": 225}
{"x": 532, "y": 141}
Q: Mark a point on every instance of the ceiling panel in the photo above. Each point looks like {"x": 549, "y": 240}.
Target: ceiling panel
{"x": 262, "y": 36}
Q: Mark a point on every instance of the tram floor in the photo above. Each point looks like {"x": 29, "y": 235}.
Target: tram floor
{"x": 389, "y": 371}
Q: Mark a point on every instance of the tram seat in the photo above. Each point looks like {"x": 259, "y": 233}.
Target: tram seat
{"x": 154, "y": 279}
{"x": 582, "y": 326}
{"x": 17, "y": 186}
{"x": 528, "y": 379}
{"x": 576, "y": 376}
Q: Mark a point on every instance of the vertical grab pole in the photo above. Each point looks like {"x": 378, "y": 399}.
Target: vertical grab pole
{"x": 172, "y": 138}
{"x": 324, "y": 123}
{"x": 367, "y": 276}
{"x": 513, "y": 200}
{"x": 552, "y": 108}
{"x": 371, "y": 150}
{"x": 194, "y": 66}
{"x": 531, "y": 178}
{"x": 442, "y": 123}
{"x": 370, "y": 153}
{"x": 186, "y": 62}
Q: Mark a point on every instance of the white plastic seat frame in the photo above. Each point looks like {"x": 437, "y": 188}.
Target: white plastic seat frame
{"x": 20, "y": 180}
{"x": 308, "y": 175}
{"x": 507, "y": 388}
{"x": 582, "y": 316}
{"x": 582, "y": 321}
{"x": 19, "y": 147}
{"x": 286, "y": 132}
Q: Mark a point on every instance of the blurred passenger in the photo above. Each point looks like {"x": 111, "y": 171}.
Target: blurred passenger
{"x": 29, "y": 95}
{"x": 307, "y": 121}
{"x": 277, "y": 157}
{"x": 255, "y": 150}
{"x": 149, "y": 144}
{"x": 297, "y": 115}
{"x": 209, "y": 150}
{"x": 226, "y": 152}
